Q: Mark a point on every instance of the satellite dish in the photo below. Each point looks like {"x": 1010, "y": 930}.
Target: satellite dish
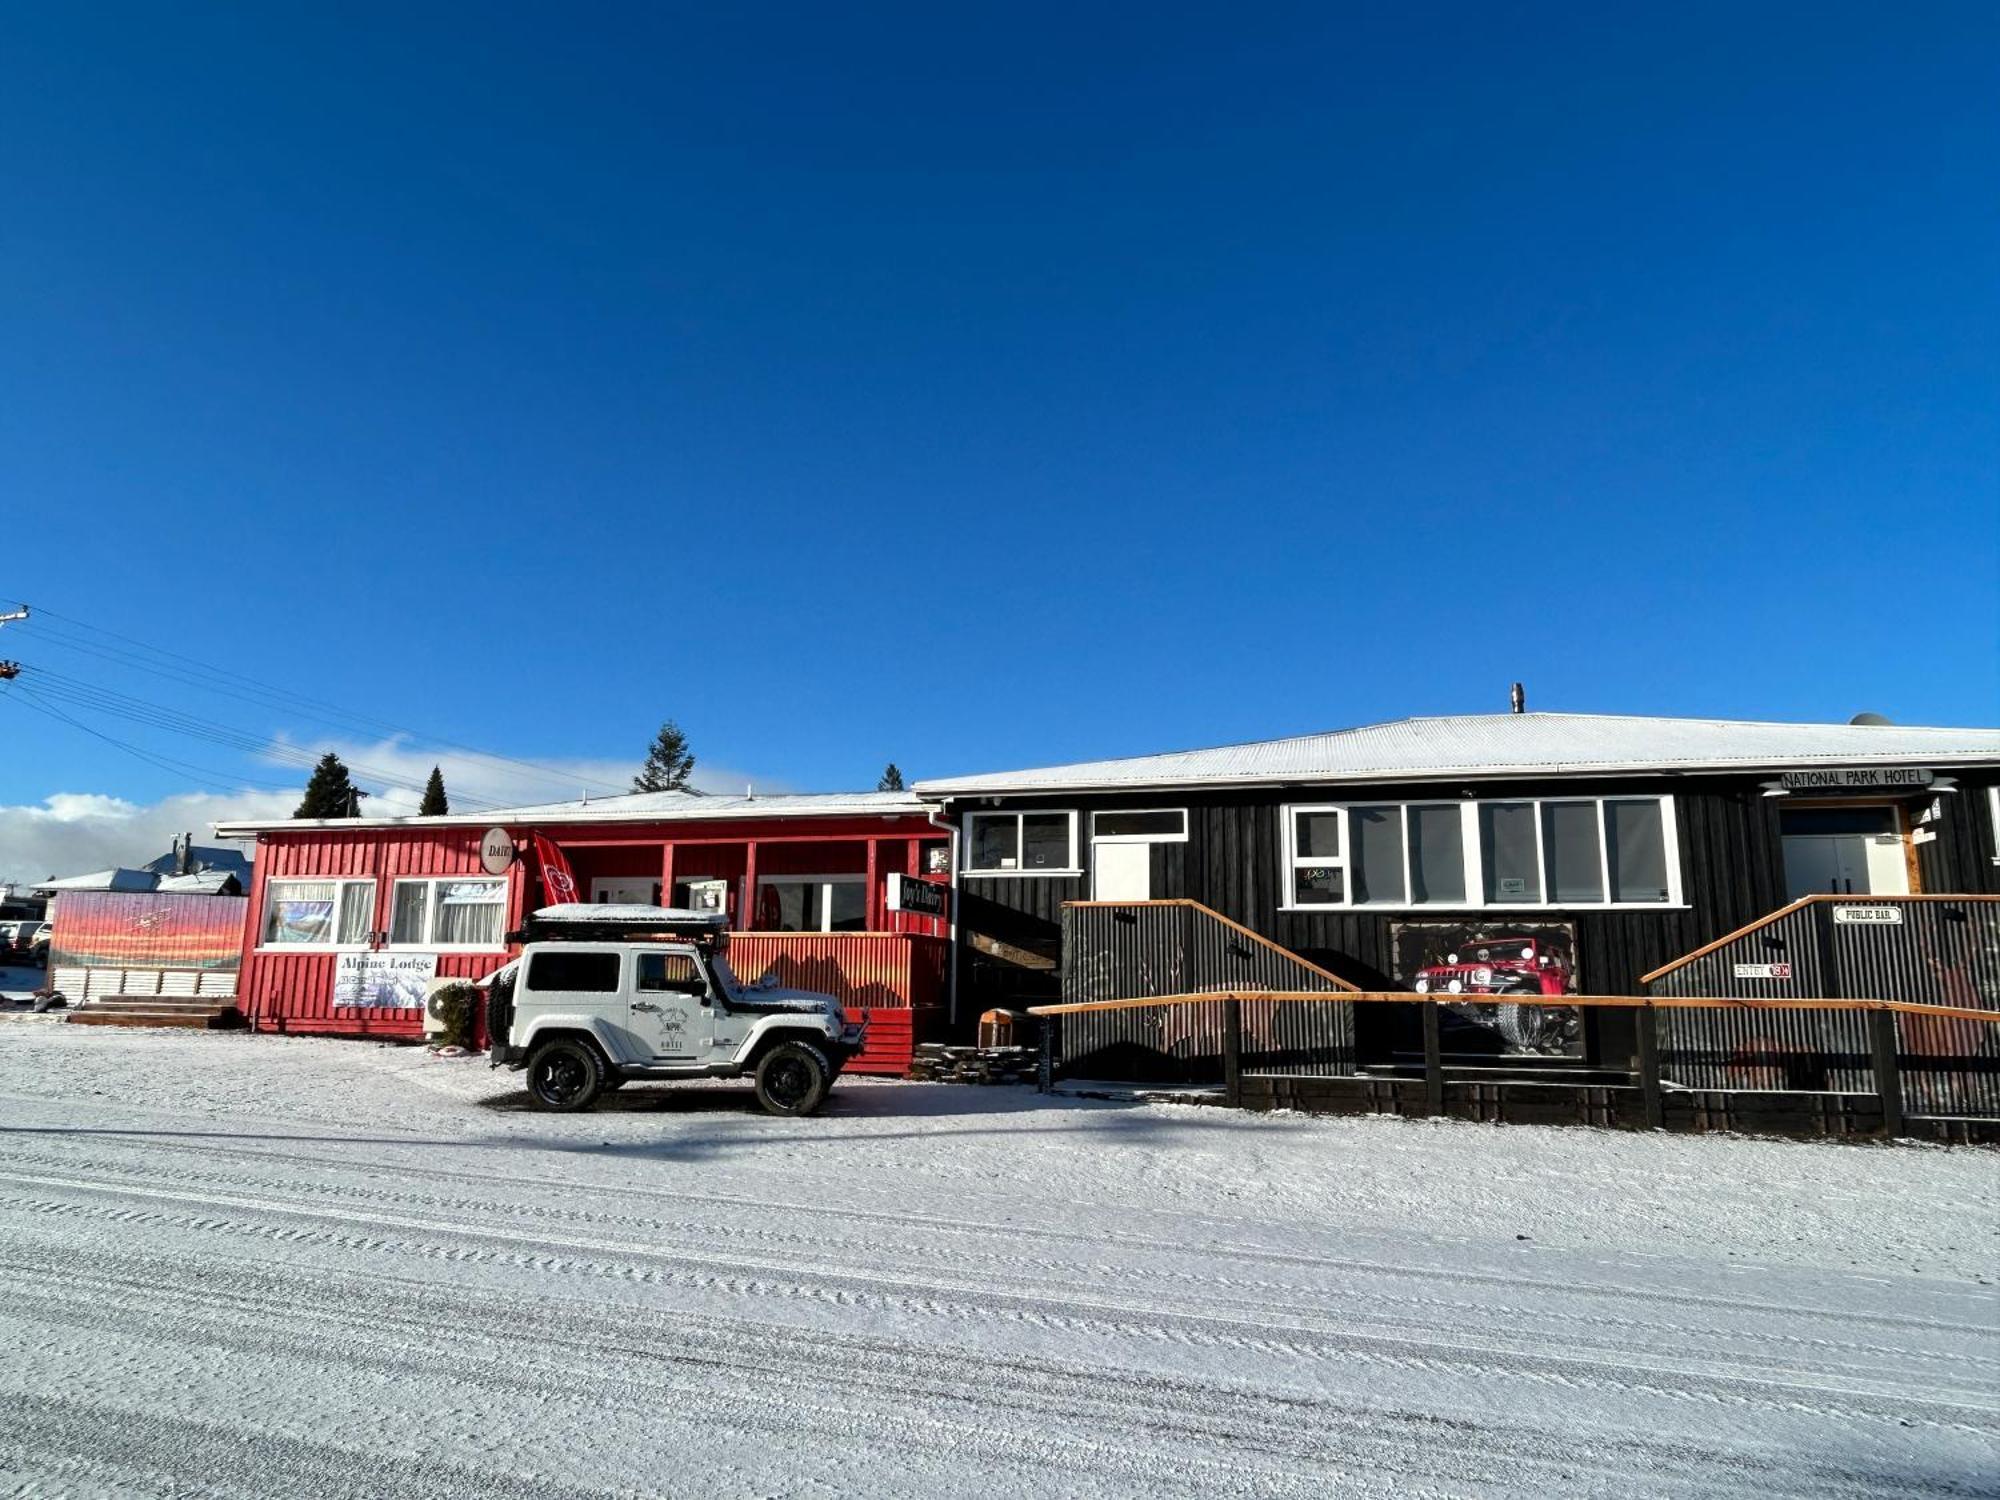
{"x": 1869, "y": 718}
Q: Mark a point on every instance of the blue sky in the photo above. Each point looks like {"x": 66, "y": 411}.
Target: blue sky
{"x": 1000, "y": 388}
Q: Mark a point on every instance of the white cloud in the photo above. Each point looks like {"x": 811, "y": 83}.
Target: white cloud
{"x": 72, "y": 833}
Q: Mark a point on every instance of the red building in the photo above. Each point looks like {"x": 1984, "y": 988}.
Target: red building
{"x": 803, "y": 879}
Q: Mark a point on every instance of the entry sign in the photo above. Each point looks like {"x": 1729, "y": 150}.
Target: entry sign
{"x": 1763, "y": 971}
{"x": 1868, "y": 916}
{"x": 1858, "y": 779}
{"x": 924, "y": 898}
{"x": 496, "y": 851}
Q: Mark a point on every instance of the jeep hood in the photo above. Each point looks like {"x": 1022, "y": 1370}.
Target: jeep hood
{"x": 775, "y": 997}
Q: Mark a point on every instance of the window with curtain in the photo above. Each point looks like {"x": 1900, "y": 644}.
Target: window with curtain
{"x": 448, "y": 913}
{"x": 318, "y": 913}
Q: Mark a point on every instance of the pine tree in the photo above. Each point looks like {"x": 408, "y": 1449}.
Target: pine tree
{"x": 892, "y": 780}
{"x": 435, "y": 803}
{"x": 668, "y": 763}
{"x": 329, "y": 793}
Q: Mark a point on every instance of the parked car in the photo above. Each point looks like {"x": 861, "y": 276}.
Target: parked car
{"x": 602, "y": 995}
{"x": 25, "y": 941}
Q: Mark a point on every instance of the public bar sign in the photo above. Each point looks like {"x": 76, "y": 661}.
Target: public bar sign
{"x": 1858, "y": 779}
{"x": 1763, "y": 971}
{"x": 1868, "y": 916}
{"x": 923, "y": 898}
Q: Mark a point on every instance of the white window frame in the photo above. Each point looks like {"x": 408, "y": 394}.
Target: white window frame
{"x": 1475, "y": 869}
{"x": 824, "y": 882}
{"x": 1070, "y": 866}
{"x": 342, "y": 884}
{"x": 431, "y": 904}
{"x": 1138, "y": 838}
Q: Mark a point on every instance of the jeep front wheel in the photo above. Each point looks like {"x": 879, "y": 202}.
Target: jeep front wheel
{"x": 565, "y": 1075}
{"x": 793, "y": 1079}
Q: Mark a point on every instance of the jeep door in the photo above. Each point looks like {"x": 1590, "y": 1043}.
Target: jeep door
{"x": 673, "y": 1013}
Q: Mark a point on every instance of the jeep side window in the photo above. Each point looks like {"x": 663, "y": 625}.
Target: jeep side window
{"x": 574, "y": 973}
{"x": 677, "y": 972}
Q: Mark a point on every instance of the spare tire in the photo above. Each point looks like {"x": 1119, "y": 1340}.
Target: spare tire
{"x": 500, "y": 1013}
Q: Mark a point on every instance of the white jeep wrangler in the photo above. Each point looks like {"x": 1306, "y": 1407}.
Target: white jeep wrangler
{"x": 605, "y": 994}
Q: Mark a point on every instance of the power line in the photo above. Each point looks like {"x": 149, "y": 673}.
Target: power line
{"x": 205, "y": 774}
{"x": 226, "y": 682}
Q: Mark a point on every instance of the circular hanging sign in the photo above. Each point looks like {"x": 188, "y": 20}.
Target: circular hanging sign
{"x": 496, "y": 851}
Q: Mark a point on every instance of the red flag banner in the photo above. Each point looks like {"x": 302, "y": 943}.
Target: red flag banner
{"x": 558, "y": 883}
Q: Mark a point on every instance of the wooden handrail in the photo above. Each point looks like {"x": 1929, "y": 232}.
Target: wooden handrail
{"x": 1625, "y": 1002}
{"x": 1256, "y": 937}
{"x": 1785, "y": 911}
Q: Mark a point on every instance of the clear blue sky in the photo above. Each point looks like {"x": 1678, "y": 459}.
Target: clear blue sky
{"x": 977, "y": 390}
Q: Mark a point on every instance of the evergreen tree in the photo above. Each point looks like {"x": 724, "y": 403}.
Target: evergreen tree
{"x": 435, "y": 804}
{"x": 329, "y": 793}
{"x": 668, "y": 763}
{"x": 892, "y": 780}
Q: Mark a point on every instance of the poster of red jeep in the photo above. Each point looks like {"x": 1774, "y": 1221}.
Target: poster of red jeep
{"x": 1496, "y": 958}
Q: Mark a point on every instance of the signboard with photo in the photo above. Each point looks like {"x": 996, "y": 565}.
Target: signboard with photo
{"x": 383, "y": 981}
{"x": 1498, "y": 957}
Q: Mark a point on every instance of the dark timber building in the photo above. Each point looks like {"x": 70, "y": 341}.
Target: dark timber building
{"x": 1606, "y": 846}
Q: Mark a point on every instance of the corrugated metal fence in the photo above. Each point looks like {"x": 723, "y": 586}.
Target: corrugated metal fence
{"x": 1926, "y": 950}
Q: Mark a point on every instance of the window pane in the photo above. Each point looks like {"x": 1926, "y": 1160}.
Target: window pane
{"x": 1045, "y": 841}
{"x": 1318, "y": 885}
{"x": 995, "y": 841}
{"x": 1316, "y": 834}
{"x": 1636, "y": 833}
{"x": 1114, "y": 825}
{"x": 1569, "y": 839}
{"x": 470, "y": 912}
{"x": 587, "y": 973}
{"x": 850, "y": 906}
{"x": 1507, "y": 849}
{"x": 301, "y": 911}
{"x": 357, "y": 911}
{"x": 670, "y": 971}
{"x": 1437, "y": 855}
{"x": 406, "y": 924}
{"x": 1376, "y": 865}
{"x": 788, "y": 906}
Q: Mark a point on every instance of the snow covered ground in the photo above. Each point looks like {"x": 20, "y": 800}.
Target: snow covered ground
{"x": 254, "y": 1266}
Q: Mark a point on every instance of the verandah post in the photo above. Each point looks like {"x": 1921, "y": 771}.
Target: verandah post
{"x": 1232, "y": 1051}
{"x": 1888, "y": 1071}
{"x": 1649, "y": 1067}
{"x": 1045, "y": 1065}
{"x": 1433, "y": 1061}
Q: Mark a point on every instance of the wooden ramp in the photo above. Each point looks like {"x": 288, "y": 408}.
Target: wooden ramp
{"x": 193, "y": 1012}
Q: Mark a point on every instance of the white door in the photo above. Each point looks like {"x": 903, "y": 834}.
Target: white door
{"x": 1844, "y": 851}
{"x": 672, "y": 1012}
{"x": 1121, "y": 872}
{"x": 625, "y": 890}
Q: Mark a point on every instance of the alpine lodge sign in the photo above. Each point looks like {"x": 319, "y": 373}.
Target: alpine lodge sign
{"x": 1858, "y": 779}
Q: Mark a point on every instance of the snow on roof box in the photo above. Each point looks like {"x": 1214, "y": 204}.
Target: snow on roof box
{"x": 606, "y": 913}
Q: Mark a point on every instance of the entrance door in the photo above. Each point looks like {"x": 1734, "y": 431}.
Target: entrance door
{"x": 625, "y": 890}
{"x": 671, "y": 1012}
{"x": 1121, "y": 872}
{"x": 1843, "y": 851}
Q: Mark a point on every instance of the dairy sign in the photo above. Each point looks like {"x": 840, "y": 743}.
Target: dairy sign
{"x": 920, "y": 897}
{"x": 383, "y": 981}
{"x": 1859, "y": 779}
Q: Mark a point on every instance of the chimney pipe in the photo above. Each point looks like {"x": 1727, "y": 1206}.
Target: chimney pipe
{"x": 1518, "y": 699}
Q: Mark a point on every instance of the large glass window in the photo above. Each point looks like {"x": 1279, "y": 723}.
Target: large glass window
{"x": 1569, "y": 851}
{"x": 1507, "y": 850}
{"x": 318, "y": 913}
{"x": 812, "y": 903}
{"x": 1023, "y": 843}
{"x": 448, "y": 914}
{"x": 1166, "y": 826}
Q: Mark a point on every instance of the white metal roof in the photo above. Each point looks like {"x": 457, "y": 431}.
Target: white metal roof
{"x": 636, "y": 807}
{"x": 1503, "y": 745}
{"x": 116, "y": 879}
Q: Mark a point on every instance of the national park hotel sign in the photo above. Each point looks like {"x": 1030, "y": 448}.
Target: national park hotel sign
{"x": 1857, "y": 779}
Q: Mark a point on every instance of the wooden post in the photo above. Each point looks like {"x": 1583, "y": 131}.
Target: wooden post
{"x": 1888, "y": 1073}
{"x": 1433, "y": 1061}
{"x": 1649, "y": 1067}
{"x": 746, "y": 921}
{"x": 1045, "y": 1066}
{"x": 873, "y": 916}
{"x": 1232, "y": 1051}
{"x": 667, "y": 875}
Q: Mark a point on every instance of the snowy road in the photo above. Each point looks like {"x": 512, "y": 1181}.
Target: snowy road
{"x": 243, "y": 1266}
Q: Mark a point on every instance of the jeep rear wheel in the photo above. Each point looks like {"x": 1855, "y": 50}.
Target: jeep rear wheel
{"x": 793, "y": 1079}
{"x": 565, "y": 1075}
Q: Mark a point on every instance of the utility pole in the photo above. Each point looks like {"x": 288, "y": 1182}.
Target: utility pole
{"x": 9, "y": 670}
